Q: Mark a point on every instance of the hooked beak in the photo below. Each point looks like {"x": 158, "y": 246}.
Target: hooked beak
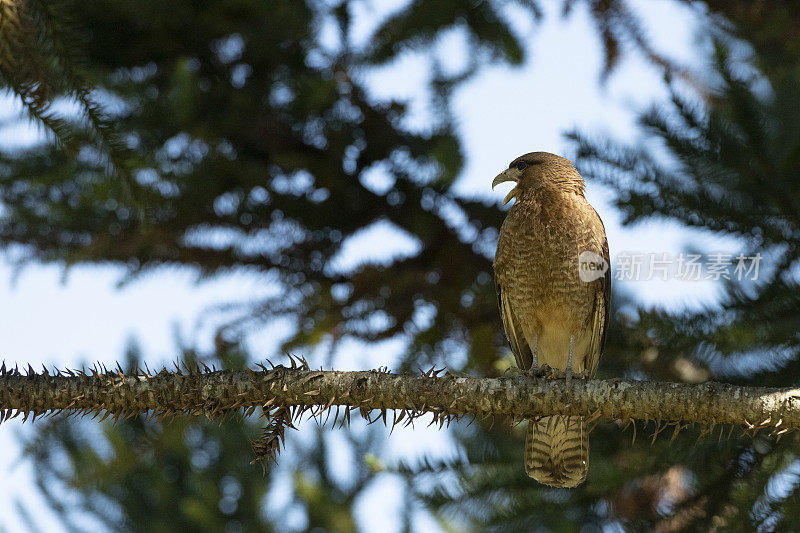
{"x": 502, "y": 178}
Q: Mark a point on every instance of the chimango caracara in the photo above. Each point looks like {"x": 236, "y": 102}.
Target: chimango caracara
{"x": 553, "y": 285}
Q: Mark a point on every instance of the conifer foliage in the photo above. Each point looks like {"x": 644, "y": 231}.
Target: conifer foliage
{"x": 219, "y": 136}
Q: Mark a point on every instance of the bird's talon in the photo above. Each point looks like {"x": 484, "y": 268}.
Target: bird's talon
{"x": 548, "y": 372}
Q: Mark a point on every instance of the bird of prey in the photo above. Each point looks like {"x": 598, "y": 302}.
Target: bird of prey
{"x": 553, "y": 281}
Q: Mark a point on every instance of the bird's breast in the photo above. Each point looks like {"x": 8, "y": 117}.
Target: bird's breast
{"x": 537, "y": 263}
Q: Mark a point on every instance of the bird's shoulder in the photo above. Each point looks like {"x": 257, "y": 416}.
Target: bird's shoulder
{"x": 593, "y": 218}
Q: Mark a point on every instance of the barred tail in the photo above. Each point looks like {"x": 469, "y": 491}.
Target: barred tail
{"x": 557, "y": 450}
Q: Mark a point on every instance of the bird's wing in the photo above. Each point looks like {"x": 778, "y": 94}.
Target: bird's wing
{"x": 599, "y": 322}
{"x": 516, "y": 338}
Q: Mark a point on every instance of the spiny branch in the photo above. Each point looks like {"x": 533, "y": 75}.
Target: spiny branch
{"x": 215, "y": 393}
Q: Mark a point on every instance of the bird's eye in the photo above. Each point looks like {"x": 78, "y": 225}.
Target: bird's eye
{"x": 522, "y": 165}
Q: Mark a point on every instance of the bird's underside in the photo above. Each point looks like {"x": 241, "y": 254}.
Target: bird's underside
{"x": 551, "y": 315}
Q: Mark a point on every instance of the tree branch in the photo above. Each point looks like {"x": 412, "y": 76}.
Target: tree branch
{"x": 216, "y": 393}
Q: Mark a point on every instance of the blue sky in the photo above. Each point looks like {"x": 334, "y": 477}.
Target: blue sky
{"x": 501, "y": 114}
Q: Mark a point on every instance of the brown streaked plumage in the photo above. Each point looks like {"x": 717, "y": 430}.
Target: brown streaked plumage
{"x": 547, "y": 308}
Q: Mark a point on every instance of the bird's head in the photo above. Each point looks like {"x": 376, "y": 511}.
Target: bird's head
{"x": 539, "y": 169}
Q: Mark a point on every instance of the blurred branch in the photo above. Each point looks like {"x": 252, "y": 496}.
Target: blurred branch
{"x": 216, "y": 393}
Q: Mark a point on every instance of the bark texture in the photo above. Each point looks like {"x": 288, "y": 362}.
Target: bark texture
{"x": 215, "y": 393}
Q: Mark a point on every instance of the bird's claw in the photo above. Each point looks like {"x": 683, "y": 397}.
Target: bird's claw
{"x": 548, "y": 372}
{"x": 541, "y": 371}
{"x": 569, "y": 374}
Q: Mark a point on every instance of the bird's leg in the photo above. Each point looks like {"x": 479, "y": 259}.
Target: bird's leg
{"x": 568, "y": 372}
{"x": 537, "y": 370}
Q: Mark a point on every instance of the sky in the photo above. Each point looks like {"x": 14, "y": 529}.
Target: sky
{"x": 502, "y": 113}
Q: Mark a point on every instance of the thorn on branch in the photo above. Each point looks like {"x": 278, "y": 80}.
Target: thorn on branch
{"x": 267, "y": 448}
